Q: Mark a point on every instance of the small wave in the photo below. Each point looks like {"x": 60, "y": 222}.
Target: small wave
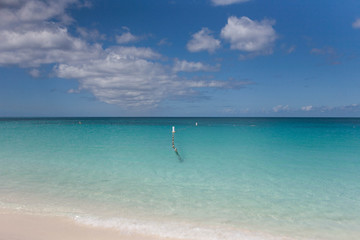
{"x": 173, "y": 230}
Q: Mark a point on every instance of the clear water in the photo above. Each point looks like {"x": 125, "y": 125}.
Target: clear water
{"x": 236, "y": 178}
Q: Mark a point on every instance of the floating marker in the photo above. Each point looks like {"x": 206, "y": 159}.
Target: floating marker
{"x": 173, "y": 137}
{"x": 173, "y": 144}
{"x": 196, "y": 124}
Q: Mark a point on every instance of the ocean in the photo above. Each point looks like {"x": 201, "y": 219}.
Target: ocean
{"x": 234, "y": 178}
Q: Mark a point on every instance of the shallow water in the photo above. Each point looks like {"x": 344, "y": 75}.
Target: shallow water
{"x": 236, "y": 178}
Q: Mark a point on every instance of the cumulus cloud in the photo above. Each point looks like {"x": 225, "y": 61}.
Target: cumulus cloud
{"x": 356, "y": 24}
{"x": 227, "y": 2}
{"x": 41, "y": 46}
{"x": 34, "y": 73}
{"x": 35, "y": 32}
{"x": 93, "y": 34}
{"x": 185, "y": 66}
{"x": 250, "y": 36}
{"x": 203, "y": 41}
{"x": 73, "y": 90}
{"x": 281, "y": 108}
{"x": 306, "y": 108}
{"x": 127, "y": 78}
{"x": 31, "y": 11}
{"x": 164, "y": 41}
{"x": 126, "y": 38}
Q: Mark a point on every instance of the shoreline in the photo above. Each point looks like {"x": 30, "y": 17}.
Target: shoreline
{"x": 16, "y": 225}
{"x": 22, "y": 225}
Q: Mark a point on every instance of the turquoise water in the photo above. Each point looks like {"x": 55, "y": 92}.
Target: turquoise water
{"x": 236, "y": 178}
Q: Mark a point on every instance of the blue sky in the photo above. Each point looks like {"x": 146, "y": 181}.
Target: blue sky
{"x": 179, "y": 58}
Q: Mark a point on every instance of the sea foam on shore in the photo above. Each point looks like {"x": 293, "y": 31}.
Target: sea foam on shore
{"x": 174, "y": 230}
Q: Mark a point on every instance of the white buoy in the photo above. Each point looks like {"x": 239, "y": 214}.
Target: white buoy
{"x": 196, "y": 124}
{"x": 173, "y": 129}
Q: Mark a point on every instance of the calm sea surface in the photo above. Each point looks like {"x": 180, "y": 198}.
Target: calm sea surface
{"x": 234, "y": 178}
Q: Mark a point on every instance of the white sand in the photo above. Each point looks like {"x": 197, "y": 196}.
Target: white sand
{"x": 20, "y": 226}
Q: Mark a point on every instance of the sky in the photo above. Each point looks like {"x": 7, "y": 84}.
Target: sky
{"x": 235, "y": 58}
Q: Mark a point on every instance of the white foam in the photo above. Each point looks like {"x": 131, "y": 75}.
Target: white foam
{"x": 173, "y": 230}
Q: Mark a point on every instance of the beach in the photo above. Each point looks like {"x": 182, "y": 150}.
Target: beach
{"x": 23, "y": 226}
{"x": 20, "y": 225}
{"x": 179, "y": 120}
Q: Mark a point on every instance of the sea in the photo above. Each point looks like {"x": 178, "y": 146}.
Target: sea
{"x": 231, "y": 178}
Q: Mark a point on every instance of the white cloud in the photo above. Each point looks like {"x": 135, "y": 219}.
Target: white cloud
{"x": 164, "y": 41}
{"x": 227, "y": 2}
{"x": 281, "y": 108}
{"x": 127, "y": 78}
{"x": 42, "y": 46}
{"x": 356, "y": 24}
{"x": 34, "y": 73}
{"x": 185, "y": 66}
{"x": 247, "y": 35}
{"x": 73, "y": 90}
{"x": 203, "y": 41}
{"x": 32, "y": 11}
{"x": 126, "y": 38}
{"x": 306, "y": 108}
{"x": 132, "y": 53}
{"x": 130, "y": 77}
{"x": 34, "y": 32}
{"x": 93, "y": 34}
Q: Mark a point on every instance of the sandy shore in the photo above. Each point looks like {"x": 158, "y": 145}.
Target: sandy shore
{"x": 20, "y": 226}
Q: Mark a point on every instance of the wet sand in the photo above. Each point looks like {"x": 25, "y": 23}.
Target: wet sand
{"x": 20, "y": 226}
